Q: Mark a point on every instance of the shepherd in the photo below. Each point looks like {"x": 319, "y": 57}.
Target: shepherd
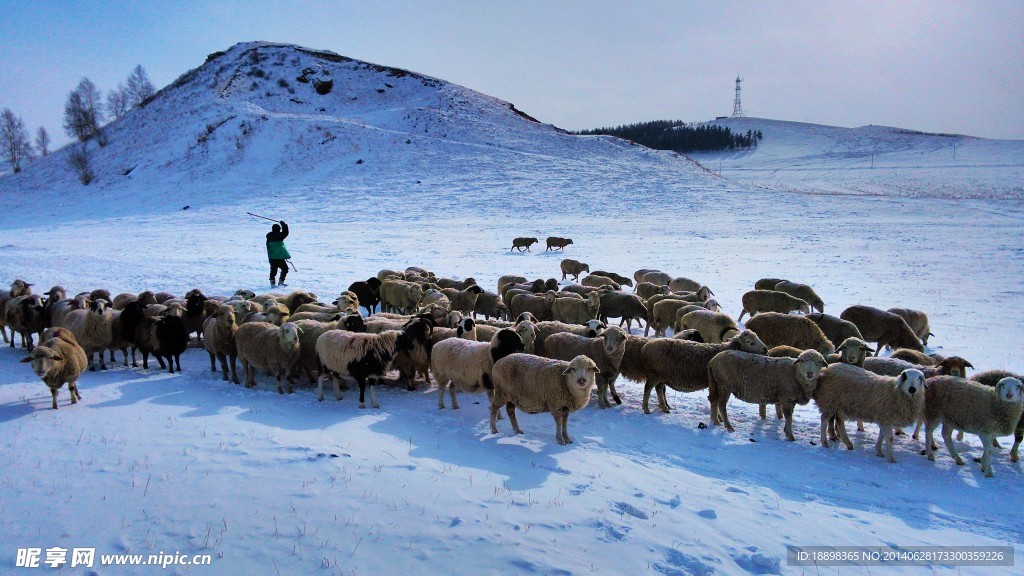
{"x": 277, "y": 253}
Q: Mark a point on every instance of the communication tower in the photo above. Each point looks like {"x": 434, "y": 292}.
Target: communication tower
{"x": 737, "y": 109}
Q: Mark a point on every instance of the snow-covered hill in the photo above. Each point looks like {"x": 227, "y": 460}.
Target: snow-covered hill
{"x": 151, "y": 463}
{"x": 873, "y": 160}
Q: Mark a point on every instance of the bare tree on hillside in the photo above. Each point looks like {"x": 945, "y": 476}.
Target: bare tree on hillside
{"x": 139, "y": 87}
{"x": 43, "y": 142}
{"x": 117, "y": 102}
{"x": 14, "y": 140}
{"x": 78, "y": 157}
{"x": 83, "y": 114}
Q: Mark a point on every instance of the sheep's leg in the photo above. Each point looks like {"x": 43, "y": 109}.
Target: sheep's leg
{"x": 986, "y": 455}
{"x": 454, "y": 395}
{"x": 841, "y": 429}
{"x": 223, "y": 366}
{"x": 563, "y": 415}
{"x": 647, "y": 396}
{"x": 723, "y": 411}
{"x": 959, "y": 435}
{"x": 1015, "y": 451}
{"x": 615, "y": 395}
{"x": 663, "y": 399}
{"x": 787, "y": 413}
{"x": 73, "y": 389}
{"x": 510, "y": 409}
{"x": 124, "y": 352}
{"x": 602, "y": 393}
{"x": 159, "y": 358}
{"x": 559, "y": 436}
{"x": 917, "y": 429}
{"x": 440, "y": 395}
{"x": 832, "y": 430}
{"x": 929, "y": 440}
{"x": 278, "y": 378}
{"x": 3, "y": 332}
{"x": 362, "y": 392}
{"x": 320, "y": 386}
{"x": 762, "y": 411}
{"x": 335, "y": 379}
{"x": 884, "y": 433}
{"x": 213, "y": 361}
{"x": 494, "y": 418}
{"x": 947, "y": 437}
{"x": 145, "y": 359}
{"x": 373, "y": 393}
{"x": 170, "y": 364}
{"x": 134, "y": 363}
{"x": 826, "y": 420}
{"x": 92, "y": 366}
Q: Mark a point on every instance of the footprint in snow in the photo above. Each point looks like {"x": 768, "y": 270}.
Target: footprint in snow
{"x": 608, "y": 532}
{"x": 578, "y": 489}
{"x": 625, "y": 508}
{"x": 680, "y": 564}
{"x": 735, "y": 490}
{"x": 758, "y": 562}
{"x": 708, "y": 513}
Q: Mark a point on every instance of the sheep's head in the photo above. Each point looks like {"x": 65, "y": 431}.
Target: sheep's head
{"x": 809, "y": 365}
{"x": 34, "y": 303}
{"x": 525, "y": 317}
{"x": 466, "y": 327}
{"x": 353, "y": 323}
{"x": 911, "y": 382}
{"x": 581, "y": 373}
{"x": 586, "y": 268}
{"x": 99, "y": 306}
{"x": 748, "y": 341}
{"x": 595, "y": 327}
{"x": 854, "y": 351}
{"x": 20, "y": 288}
{"x": 288, "y": 336}
{"x": 56, "y": 294}
{"x": 614, "y": 340}
{"x": 1008, "y": 389}
{"x": 246, "y": 294}
{"x": 44, "y": 359}
{"x": 527, "y": 330}
{"x": 704, "y": 293}
{"x": 713, "y": 305}
{"x": 148, "y": 297}
{"x": 225, "y": 315}
{"x": 505, "y": 342}
{"x": 474, "y": 289}
{"x": 803, "y": 308}
{"x": 955, "y": 366}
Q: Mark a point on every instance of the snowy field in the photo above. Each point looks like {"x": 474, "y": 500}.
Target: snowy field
{"x": 152, "y": 463}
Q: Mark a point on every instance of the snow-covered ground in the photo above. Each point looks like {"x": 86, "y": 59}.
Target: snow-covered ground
{"x": 267, "y": 484}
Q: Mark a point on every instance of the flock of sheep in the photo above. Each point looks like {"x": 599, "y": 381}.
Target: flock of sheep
{"x": 542, "y": 347}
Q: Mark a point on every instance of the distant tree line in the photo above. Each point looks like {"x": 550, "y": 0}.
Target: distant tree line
{"x": 84, "y": 116}
{"x": 679, "y": 136}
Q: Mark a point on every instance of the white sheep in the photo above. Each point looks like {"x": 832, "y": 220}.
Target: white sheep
{"x": 59, "y": 360}
{"x": 219, "y": 340}
{"x": 759, "y": 379}
{"x": 792, "y": 330}
{"x": 93, "y": 329}
{"x": 535, "y": 384}
{"x": 547, "y": 328}
{"x": 847, "y": 392}
{"x": 460, "y": 364}
{"x": 264, "y": 346}
{"x": 605, "y": 350}
{"x": 960, "y": 404}
{"x": 714, "y": 327}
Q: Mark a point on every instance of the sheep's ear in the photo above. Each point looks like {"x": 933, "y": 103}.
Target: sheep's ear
{"x": 969, "y": 365}
{"x": 26, "y": 359}
{"x": 902, "y": 378}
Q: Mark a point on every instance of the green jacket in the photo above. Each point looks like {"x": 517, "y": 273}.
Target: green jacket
{"x": 275, "y": 244}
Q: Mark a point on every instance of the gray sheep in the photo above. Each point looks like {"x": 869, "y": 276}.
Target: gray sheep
{"x": 836, "y": 329}
{"x": 618, "y": 278}
{"x": 538, "y": 305}
{"x": 605, "y": 350}
{"x": 714, "y": 327}
{"x": 627, "y": 307}
{"x": 576, "y": 311}
{"x": 917, "y": 320}
{"x": 756, "y": 301}
{"x": 219, "y": 340}
{"x": 489, "y": 304}
{"x": 25, "y": 315}
{"x": 801, "y": 291}
{"x": 885, "y": 328}
{"x": 683, "y": 365}
{"x": 18, "y": 288}
{"x": 759, "y": 379}
{"x": 535, "y": 385}
{"x": 972, "y": 407}
{"x": 574, "y": 268}
{"x": 776, "y": 329}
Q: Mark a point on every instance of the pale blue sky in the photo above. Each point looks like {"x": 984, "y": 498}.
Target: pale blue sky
{"x": 932, "y": 66}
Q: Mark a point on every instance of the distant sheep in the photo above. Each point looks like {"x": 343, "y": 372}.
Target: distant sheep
{"x": 618, "y": 278}
{"x": 489, "y": 304}
{"x": 466, "y": 365}
{"x": 756, "y": 301}
{"x": 656, "y": 277}
{"x": 646, "y": 289}
{"x": 683, "y": 284}
{"x": 917, "y": 320}
{"x": 714, "y": 327}
{"x": 917, "y": 357}
{"x": 596, "y": 281}
{"x": 683, "y": 365}
{"x": 961, "y": 404}
{"x": 556, "y": 243}
{"x": 605, "y": 350}
{"x": 847, "y": 392}
{"x": 368, "y": 292}
{"x": 400, "y": 296}
{"x": 59, "y": 360}
{"x": 523, "y": 243}
{"x": 465, "y": 300}
{"x": 803, "y": 292}
{"x": 627, "y": 307}
{"x": 759, "y": 379}
{"x": 767, "y": 283}
{"x": 535, "y": 385}
{"x": 574, "y": 268}
{"x": 776, "y": 329}
{"x": 884, "y": 328}
{"x": 264, "y": 346}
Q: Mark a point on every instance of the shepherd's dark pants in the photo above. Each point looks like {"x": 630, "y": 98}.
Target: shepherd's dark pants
{"x": 278, "y": 264}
